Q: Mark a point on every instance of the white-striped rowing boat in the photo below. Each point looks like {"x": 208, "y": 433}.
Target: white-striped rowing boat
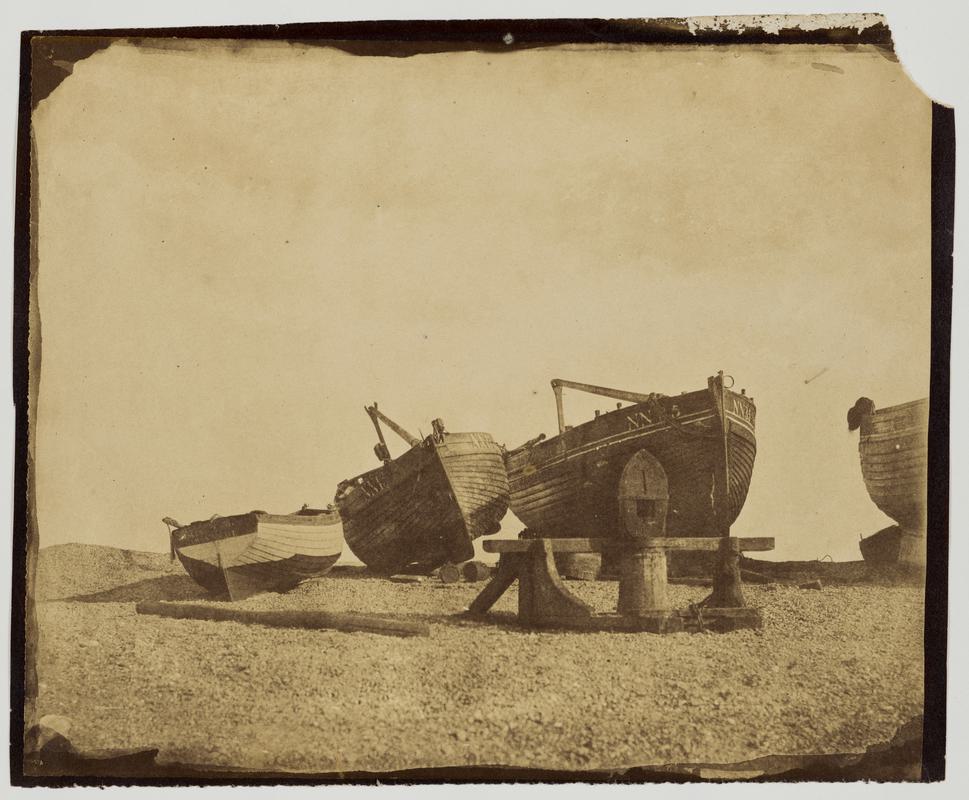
{"x": 241, "y": 555}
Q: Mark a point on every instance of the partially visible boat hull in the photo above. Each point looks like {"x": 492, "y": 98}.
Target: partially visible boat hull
{"x": 426, "y": 507}
{"x": 893, "y": 448}
{"x": 241, "y": 555}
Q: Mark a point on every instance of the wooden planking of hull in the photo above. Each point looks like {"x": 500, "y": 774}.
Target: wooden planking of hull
{"x": 241, "y": 555}
{"x": 567, "y": 485}
{"x": 893, "y": 449}
{"x": 426, "y": 507}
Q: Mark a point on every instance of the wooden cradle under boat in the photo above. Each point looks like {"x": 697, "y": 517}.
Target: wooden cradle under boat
{"x": 426, "y": 507}
{"x": 241, "y": 555}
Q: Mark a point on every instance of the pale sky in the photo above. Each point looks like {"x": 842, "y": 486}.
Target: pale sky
{"x": 240, "y": 247}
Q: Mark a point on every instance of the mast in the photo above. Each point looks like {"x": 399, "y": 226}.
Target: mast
{"x": 616, "y": 394}
{"x": 376, "y": 415}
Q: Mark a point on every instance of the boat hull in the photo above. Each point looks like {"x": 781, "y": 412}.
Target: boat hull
{"x": 567, "y": 486}
{"x": 893, "y": 449}
{"x": 244, "y": 554}
{"x": 426, "y": 507}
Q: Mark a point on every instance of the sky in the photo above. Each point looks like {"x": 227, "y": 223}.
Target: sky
{"x": 240, "y": 246}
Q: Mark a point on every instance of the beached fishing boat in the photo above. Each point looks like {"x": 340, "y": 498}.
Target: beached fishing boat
{"x": 241, "y": 555}
{"x": 577, "y": 484}
{"x": 426, "y": 507}
{"x": 893, "y": 447}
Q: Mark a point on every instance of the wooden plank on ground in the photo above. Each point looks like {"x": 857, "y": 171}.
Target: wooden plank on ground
{"x": 287, "y": 619}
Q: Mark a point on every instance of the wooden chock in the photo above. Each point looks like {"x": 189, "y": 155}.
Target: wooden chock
{"x": 543, "y": 599}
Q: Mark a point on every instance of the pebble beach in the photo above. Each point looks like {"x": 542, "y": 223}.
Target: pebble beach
{"x": 835, "y": 671}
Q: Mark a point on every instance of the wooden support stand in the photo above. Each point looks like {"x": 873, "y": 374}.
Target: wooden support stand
{"x": 545, "y": 602}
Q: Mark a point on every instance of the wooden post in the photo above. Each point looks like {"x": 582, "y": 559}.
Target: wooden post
{"x": 727, "y": 592}
{"x": 642, "y": 581}
{"x": 559, "y": 409}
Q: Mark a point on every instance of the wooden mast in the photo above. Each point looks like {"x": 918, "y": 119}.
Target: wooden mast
{"x": 376, "y": 415}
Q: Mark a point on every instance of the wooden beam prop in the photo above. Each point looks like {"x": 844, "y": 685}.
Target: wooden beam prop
{"x": 504, "y": 576}
{"x": 312, "y": 620}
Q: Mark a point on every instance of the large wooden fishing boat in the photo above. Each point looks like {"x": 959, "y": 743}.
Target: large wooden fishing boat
{"x": 241, "y": 555}
{"x": 586, "y": 481}
{"x": 426, "y": 507}
{"x": 893, "y": 447}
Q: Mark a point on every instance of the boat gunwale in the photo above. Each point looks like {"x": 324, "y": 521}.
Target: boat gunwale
{"x": 324, "y": 519}
{"x": 886, "y": 410}
{"x": 728, "y": 417}
{"x": 425, "y": 444}
{"x": 699, "y": 394}
{"x": 614, "y": 439}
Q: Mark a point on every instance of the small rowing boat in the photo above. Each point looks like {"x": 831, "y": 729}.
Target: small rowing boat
{"x": 241, "y": 555}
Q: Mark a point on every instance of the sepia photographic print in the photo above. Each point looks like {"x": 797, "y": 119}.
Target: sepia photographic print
{"x": 533, "y": 400}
